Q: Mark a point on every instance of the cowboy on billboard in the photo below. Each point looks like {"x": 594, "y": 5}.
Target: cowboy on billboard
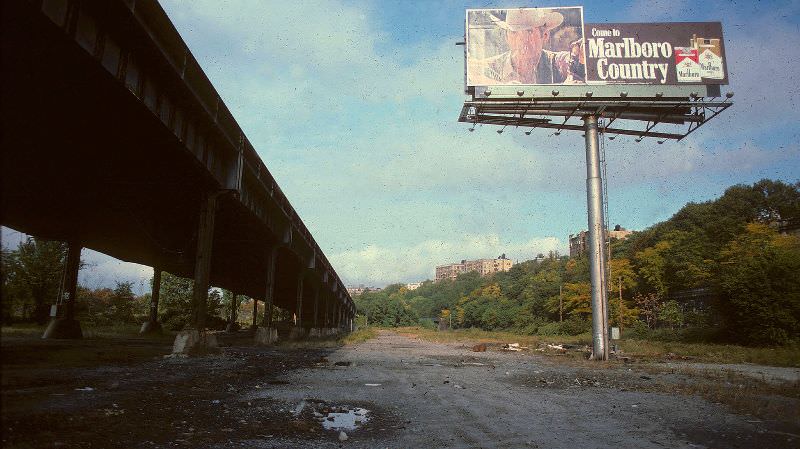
{"x": 525, "y": 46}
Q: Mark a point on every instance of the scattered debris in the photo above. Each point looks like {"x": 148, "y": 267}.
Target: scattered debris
{"x": 473, "y": 363}
{"x": 513, "y": 347}
{"x": 373, "y": 385}
{"x": 342, "y": 436}
{"x": 341, "y": 418}
{"x": 480, "y": 347}
{"x": 113, "y": 411}
{"x": 299, "y": 409}
{"x": 342, "y": 363}
{"x": 85, "y": 389}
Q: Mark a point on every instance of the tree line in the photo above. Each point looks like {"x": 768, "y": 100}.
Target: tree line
{"x": 31, "y": 278}
{"x": 722, "y": 270}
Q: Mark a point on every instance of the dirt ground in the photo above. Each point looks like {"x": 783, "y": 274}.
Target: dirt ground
{"x": 124, "y": 393}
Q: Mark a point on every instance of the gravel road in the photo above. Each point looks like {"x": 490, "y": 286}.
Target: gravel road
{"x": 394, "y": 391}
{"x": 425, "y": 394}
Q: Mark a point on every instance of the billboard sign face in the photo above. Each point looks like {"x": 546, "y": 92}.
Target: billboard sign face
{"x": 655, "y": 53}
{"x": 524, "y": 46}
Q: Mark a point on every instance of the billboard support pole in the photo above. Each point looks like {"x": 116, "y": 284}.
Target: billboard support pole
{"x": 596, "y": 247}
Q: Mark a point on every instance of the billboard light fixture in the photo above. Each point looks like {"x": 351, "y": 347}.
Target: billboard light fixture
{"x": 661, "y": 142}
{"x": 528, "y": 133}
{"x": 520, "y": 93}
{"x": 487, "y": 92}
{"x": 659, "y": 94}
{"x": 555, "y": 93}
{"x": 589, "y": 94}
{"x": 623, "y": 94}
{"x": 612, "y": 137}
{"x": 693, "y": 95}
{"x": 729, "y": 95}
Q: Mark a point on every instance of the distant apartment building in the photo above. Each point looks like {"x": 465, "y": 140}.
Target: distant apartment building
{"x": 482, "y": 266}
{"x": 355, "y": 291}
{"x": 413, "y": 285}
{"x": 579, "y": 242}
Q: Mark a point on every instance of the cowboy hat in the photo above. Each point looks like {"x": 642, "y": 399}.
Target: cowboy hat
{"x": 529, "y": 18}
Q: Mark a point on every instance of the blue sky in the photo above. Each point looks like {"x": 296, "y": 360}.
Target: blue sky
{"x": 353, "y": 107}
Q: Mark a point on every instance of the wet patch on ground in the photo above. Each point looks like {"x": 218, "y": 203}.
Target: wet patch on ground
{"x": 143, "y": 400}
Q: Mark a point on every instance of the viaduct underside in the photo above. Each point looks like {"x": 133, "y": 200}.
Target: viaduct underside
{"x": 115, "y": 140}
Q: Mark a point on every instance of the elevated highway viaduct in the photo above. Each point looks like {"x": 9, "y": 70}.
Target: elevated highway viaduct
{"x": 114, "y": 139}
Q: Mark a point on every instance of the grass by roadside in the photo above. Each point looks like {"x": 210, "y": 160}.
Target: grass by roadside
{"x": 475, "y": 336}
{"x": 744, "y": 394}
{"x": 647, "y": 350}
{"x": 90, "y": 332}
{"x": 788, "y": 356}
{"x": 357, "y": 336}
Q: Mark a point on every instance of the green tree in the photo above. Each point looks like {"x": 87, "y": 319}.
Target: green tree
{"x": 176, "y": 301}
{"x": 760, "y": 286}
{"x": 671, "y": 314}
{"x": 32, "y": 278}
{"x": 651, "y": 264}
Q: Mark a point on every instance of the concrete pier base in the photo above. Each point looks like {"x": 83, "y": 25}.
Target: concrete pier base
{"x": 322, "y": 332}
{"x": 150, "y": 327}
{"x": 263, "y": 338}
{"x": 297, "y": 333}
{"x": 192, "y": 342}
{"x": 63, "y": 328}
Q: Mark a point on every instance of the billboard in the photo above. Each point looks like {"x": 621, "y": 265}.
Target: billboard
{"x": 524, "y": 46}
{"x": 552, "y": 46}
{"x": 655, "y": 53}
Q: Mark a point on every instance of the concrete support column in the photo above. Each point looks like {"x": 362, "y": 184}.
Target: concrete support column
{"x": 255, "y": 314}
{"x": 298, "y": 331}
{"x": 326, "y": 307}
{"x": 152, "y": 326}
{"x": 298, "y": 314}
{"x": 194, "y": 339}
{"x": 64, "y": 324}
{"x": 267, "y": 335}
{"x": 202, "y": 267}
{"x": 233, "y": 326}
{"x": 316, "y": 308}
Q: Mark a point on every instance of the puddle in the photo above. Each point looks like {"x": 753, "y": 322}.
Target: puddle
{"x": 342, "y": 418}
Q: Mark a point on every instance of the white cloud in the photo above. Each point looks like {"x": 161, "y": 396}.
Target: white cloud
{"x": 379, "y": 265}
{"x": 99, "y": 271}
{"x": 102, "y": 270}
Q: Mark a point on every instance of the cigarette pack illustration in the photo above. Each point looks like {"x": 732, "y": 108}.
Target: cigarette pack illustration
{"x": 709, "y": 57}
{"x": 687, "y": 65}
